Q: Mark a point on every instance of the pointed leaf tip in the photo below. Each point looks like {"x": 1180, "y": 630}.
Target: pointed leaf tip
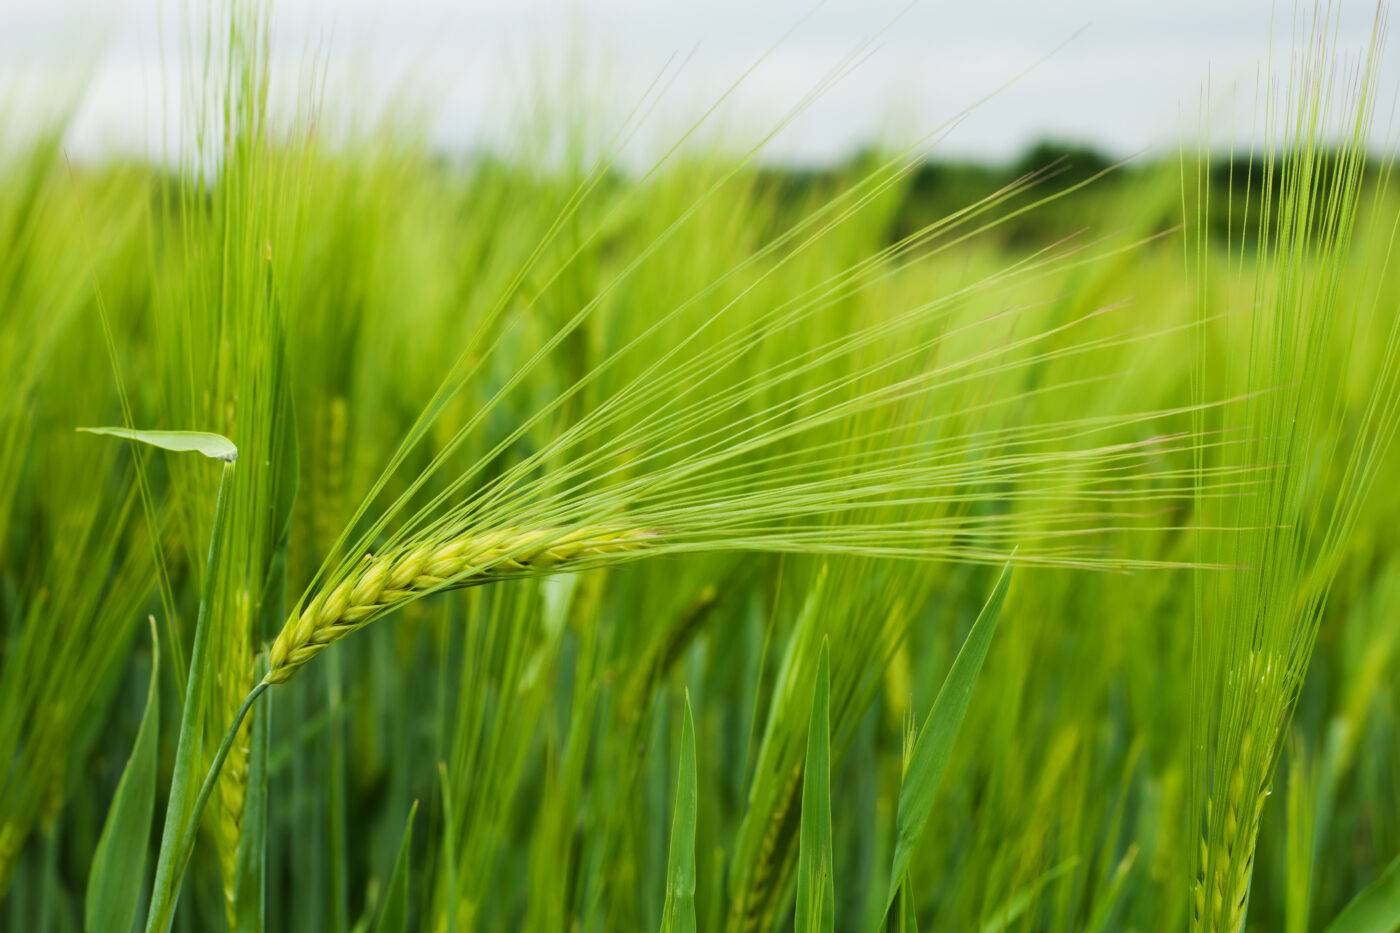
{"x": 933, "y": 746}
{"x": 393, "y": 916}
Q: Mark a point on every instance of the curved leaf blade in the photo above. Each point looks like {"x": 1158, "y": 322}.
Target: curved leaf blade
{"x": 1376, "y": 909}
{"x": 215, "y": 446}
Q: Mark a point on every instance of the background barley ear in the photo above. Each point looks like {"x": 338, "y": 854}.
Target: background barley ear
{"x": 1256, "y": 628}
{"x": 759, "y": 897}
{"x": 1220, "y": 897}
{"x": 225, "y": 818}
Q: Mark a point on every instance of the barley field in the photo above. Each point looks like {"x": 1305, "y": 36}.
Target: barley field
{"x": 546, "y": 542}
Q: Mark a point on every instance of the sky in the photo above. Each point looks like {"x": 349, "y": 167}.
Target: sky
{"x": 1126, "y": 75}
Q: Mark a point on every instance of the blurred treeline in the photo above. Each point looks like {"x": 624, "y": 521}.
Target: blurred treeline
{"x": 1089, "y": 186}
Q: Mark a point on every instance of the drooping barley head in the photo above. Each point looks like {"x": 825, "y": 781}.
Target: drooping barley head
{"x": 382, "y": 583}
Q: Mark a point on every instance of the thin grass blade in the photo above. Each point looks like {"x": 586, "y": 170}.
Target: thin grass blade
{"x": 394, "y": 917}
{"x": 119, "y": 864}
{"x": 934, "y": 745}
{"x": 816, "y": 890}
{"x": 678, "y": 914}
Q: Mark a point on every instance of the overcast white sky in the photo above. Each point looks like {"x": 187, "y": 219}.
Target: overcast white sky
{"x": 1125, "y": 74}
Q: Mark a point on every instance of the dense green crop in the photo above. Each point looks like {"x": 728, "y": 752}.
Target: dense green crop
{"x": 702, "y": 547}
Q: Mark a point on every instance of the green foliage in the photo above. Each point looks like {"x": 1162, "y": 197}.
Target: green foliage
{"x": 833, "y": 412}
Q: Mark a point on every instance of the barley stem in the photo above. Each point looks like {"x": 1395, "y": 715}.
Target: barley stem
{"x": 212, "y": 777}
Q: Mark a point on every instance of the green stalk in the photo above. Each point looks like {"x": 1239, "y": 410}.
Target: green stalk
{"x": 174, "y": 853}
{"x": 212, "y": 777}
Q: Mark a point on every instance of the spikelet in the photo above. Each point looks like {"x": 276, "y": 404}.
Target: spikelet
{"x": 1225, "y": 866}
{"x": 1221, "y": 891}
{"x": 380, "y": 584}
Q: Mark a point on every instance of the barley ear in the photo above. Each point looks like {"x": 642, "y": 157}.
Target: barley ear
{"x": 381, "y": 584}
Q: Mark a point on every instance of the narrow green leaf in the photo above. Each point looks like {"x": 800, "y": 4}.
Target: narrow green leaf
{"x": 678, "y": 914}
{"x": 119, "y": 863}
{"x": 1376, "y": 909}
{"x": 816, "y": 890}
{"x": 393, "y": 918}
{"x": 934, "y": 745}
{"x": 211, "y": 445}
